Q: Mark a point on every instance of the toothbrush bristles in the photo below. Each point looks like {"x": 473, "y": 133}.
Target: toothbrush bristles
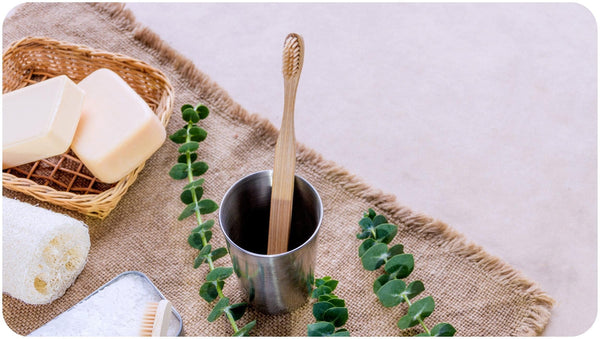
{"x": 292, "y": 55}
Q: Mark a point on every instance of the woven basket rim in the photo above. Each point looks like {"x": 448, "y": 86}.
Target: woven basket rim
{"x": 92, "y": 204}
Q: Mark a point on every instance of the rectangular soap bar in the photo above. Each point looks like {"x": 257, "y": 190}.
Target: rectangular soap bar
{"x": 39, "y": 121}
{"x": 117, "y": 131}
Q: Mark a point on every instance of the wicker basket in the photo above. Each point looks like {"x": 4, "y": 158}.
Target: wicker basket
{"x": 63, "y": 180}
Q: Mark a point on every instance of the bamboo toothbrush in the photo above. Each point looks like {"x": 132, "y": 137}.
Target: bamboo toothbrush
{"x": 155, "y": 321}
{"x": 285, "y": 149}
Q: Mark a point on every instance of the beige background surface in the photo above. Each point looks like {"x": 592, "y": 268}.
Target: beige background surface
{"x": 483, "y": 116}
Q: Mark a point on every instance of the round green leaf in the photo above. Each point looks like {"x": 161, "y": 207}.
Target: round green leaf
{"x": 186, "y": 106}
{"x": 443, "y": 330}
{"x": 413, "y": 289}
{"x": 190, "y": 115}
{"x": 337, "y": 302}
{"x": 187, "y": 211}
{"x": 374, "y": 257}
{"x": 379, "y": 219}
{"x": 179, "y": 137}
{"x": 199, "y": 168}
{"x": 342, "y": 332}
{"x": 390, "y": 294}
{"x": 407, "y": 322}
{"x": 219, "y": 273}
{"x": 237, "y": 310}
{"x": 179, "y": 171}
{"x": 380, "y": 281}
{"x": 320, "y": 329}
{"x": 218, "y": 253}
{"x": 336, "y": 315}
{"x": 319, "y": 309}
{"x": 208, "y": 291}
{"x": 422, "y": 308}
{"x": 207, "y": 206}
{"x": 395, "y": 250}
{"x": 195, "y": 183}
{"x": 202, "y": 111}
{"x": 244, "y": 331}
{"x": 197, "y": 134}
{"x": 365, "y": 224}
{"x": 366, "y": 244}
{"x": 321, "y": 290}
{"x": 183, "y": 158}
{"x": 195, "y": 240}
{"x": 385, "y": 232}
{"x": 400, "y": 266}
{"x": 218, "y": 309}
{"x": 189, "y": 147}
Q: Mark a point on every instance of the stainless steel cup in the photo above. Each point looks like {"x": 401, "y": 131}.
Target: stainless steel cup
{"x": 273, "y": 283}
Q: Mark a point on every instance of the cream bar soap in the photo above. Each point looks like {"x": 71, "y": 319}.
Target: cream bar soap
{"x": 117, "y": 131}
{"x": 39, "y": 121}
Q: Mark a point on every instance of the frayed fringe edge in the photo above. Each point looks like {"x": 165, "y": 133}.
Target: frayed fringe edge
{"x": 437, "y": 231}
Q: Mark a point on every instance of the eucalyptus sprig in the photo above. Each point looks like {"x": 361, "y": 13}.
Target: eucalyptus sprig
{"x": 390, "y": 289}
{"x": 187, "y": 167}
{"x": 330, "y": 311}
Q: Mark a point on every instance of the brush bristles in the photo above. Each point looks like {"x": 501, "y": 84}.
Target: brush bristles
{"x": 148, "y": 319}
{"x": 292, "y": 55}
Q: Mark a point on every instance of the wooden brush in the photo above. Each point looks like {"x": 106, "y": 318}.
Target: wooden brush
{"x": 155, "y": 321}
{"x": 285, "y": 150}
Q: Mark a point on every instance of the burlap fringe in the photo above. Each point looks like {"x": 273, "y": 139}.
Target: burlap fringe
{"x": 386, "y": 204}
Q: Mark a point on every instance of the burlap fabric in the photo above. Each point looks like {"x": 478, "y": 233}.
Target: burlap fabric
{"x": 478, "y": 293}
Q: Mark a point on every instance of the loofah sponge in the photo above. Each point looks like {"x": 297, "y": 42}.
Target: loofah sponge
{"x": 43, "y": 252}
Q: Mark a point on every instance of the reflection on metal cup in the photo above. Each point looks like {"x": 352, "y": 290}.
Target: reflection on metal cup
{"x": 273, "y": 283}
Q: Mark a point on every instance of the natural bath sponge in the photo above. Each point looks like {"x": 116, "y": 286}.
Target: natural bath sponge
{"x": 43, "y": 252}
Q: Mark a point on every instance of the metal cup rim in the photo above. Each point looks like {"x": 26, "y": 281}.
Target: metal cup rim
{"x": 270, "y": 173}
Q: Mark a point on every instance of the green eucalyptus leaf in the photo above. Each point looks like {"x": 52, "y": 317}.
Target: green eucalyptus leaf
{"x": 337, "y": 302}
{"x": 187, "y": 211}
{"x": 202, "y": 111}
{"x": 195, "y": 240}
{"x": 319, "y": 309}
{"x": 219, "y": 273}
{"x": 407, "y": 322}
{"x": 365, "y": 245}
{"x": 379, "y": 219}
{"x": 218, "y": 310}
{"x": 208, "y": 291}
{"x": 320, "y": 329}
{"x": 321, "y": 290}
{"x": 187, "y": 197}
{"x": 443, "y": 330}
{"x": 365, "y": 224}
{"x": 179, "y": 171}
{"x": 371, "y": 213}
{"x": 190, "y": 115}
{"x": 186, "y": 106}
{"x": 200, "y": 259}
{"x": 183, "y": 158}
{"x": 421, "y": 308}
{"x": 179, "y": 137}
{"x": 237, "y": 310}
{"x": 380, "y": 281}
{"x": 342, "y": 332}
{"x": 336, "y": 315}
{"x": 188, "y": 147}
{"x": 385, "y": 232}
{"x": 218, "y": 253}
{"x": 207, "y": 206}
{"x": 195, "y": 183}
{"x": 400, "y": 266}
{"x": 395, "y": 250}
{"x": 197, "y": 134}
{"x": 207, "y": 225}
{"x": 364, "y": 235}
{"x": 244, "y": 331}
{"x": 205, "y": 250}
{"x": 374, "y": 257}
{"x": 199, "y": 168}
{"x": 326, "y": 297}
{"x": 207, "y": 235}
{"x": 390, "y": 294}
{"x": 413, "y": 289}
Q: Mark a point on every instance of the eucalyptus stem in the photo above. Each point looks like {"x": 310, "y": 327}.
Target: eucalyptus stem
{"x": 188, "y": 168}
{"x": 390, "y": 289}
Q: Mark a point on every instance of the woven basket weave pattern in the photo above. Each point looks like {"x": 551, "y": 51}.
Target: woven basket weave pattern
{"x": 63, "y": 180}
